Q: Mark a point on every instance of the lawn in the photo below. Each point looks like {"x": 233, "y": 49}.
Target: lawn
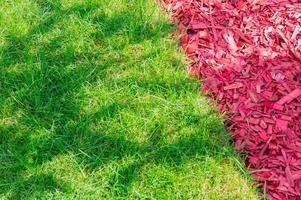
{"x": 96, "y": 103}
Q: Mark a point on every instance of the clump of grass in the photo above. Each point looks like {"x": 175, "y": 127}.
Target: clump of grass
{"x": 96, "y": 104}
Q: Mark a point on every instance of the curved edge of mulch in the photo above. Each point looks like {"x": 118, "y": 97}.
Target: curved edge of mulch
{"x": 247, "y": 52}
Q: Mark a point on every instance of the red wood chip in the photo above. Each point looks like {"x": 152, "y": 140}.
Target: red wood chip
{"x": 248, "y": 55}
{"x": 254, "y": 121}
{"x": 233, "y": 86}
{"x": 294, "y": 94}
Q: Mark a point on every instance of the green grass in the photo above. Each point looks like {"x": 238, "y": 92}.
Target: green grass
{"x": 96, "y": 104}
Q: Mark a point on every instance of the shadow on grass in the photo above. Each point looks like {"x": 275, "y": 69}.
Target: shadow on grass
{"x": 46, "y": 94}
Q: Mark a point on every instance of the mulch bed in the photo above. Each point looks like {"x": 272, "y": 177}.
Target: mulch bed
{"x": 247, "y": 53}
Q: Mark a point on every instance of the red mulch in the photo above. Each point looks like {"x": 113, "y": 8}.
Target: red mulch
{"x": 247, "y": 54}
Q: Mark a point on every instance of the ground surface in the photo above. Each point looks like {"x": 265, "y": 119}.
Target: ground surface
{"x": 96, "y": 103}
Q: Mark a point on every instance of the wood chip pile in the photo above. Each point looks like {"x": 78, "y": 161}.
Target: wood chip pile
{"x": 247, "y": 53}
